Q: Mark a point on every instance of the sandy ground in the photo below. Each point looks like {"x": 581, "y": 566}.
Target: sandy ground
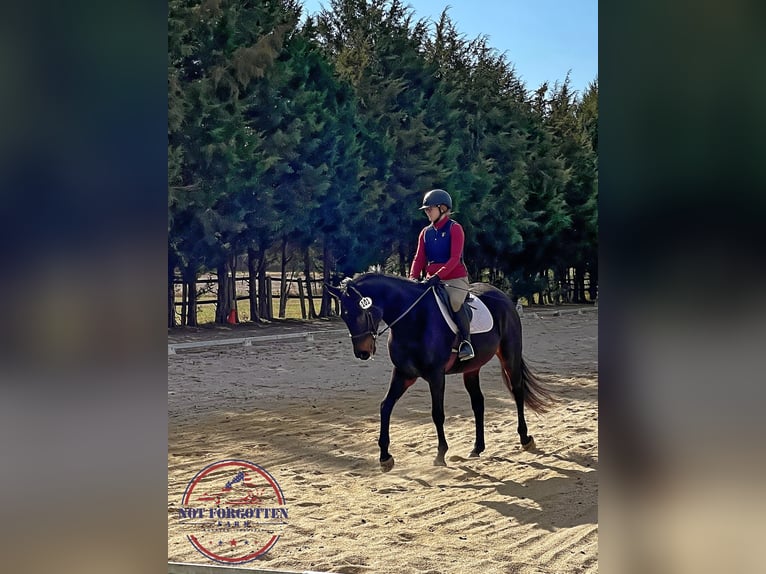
{"x": 307, "y": 412}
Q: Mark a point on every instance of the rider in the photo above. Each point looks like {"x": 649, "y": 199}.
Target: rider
{"x": 440, "y": 252}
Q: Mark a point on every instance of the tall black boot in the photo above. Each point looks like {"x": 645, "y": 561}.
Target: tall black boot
{"x": 463, "y": 322}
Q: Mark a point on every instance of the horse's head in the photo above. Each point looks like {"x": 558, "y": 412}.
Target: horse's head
{"x": 361, "y": 317}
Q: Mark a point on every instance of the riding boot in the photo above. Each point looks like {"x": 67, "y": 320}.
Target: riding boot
{"x": 463, "y": 322}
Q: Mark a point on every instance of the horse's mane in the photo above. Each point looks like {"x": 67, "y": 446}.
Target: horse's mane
{"x": 371, "y": 275}
{"x": 483, "y": 290}
{"x": 379, "y": 274}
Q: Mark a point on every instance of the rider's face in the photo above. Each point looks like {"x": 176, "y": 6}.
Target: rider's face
{"x": 433, "y": 213}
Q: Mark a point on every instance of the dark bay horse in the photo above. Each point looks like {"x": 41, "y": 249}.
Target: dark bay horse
{"x": 420, "y": 344}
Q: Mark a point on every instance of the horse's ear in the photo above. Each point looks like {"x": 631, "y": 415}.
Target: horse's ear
{"x": 334, "y": 291}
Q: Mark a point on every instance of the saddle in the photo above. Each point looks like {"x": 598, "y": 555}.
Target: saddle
{"x": 480, "y": 317}
{"x": 441, "y": 293}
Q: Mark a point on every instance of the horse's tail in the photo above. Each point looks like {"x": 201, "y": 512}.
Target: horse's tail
{"x": 536, "y": 396}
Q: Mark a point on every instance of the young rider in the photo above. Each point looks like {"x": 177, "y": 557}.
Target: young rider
{"x": 440, "y": 253}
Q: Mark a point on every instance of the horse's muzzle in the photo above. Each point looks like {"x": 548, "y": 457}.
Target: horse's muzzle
{"x": 365, "y": 349}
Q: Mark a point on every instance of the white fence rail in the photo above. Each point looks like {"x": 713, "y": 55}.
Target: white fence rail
{"x": 248, "y": 341}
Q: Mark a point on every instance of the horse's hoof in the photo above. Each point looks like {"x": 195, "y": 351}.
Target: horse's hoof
{"x": 474, "y": 454}
{"x": 439, "y": 461}
{"x": 388, "y": 464}
{"x": 530, "y": 445}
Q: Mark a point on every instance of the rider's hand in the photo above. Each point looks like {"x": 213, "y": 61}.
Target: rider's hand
{"x": 432, "y": 280}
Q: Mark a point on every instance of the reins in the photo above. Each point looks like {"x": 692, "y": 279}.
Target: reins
{"x": 370, "y": 321}
{"x": 395, "y": 321}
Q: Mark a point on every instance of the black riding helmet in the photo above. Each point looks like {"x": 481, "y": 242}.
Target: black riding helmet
{"x": 437, "y": 197}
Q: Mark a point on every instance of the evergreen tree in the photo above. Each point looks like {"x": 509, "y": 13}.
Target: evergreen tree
{"x": 376, "y": 47}
{"x": 321, "y": 139}
{"x": 215, "y": 54}
{"x": 573, "y": 141}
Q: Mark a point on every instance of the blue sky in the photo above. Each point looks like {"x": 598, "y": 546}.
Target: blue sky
{"x": 543, "y": 39}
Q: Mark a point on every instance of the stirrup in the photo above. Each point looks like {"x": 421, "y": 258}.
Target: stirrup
{"x": 465, "y": 351}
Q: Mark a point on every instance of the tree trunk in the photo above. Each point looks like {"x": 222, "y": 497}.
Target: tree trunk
{"x": 270, "y": 298}
{"x": 184, "y": 302}
{"x": 544, "y": 292}
{"x": 226, "y": 297}
{"x": 559, "y": 282}
{"x": 403, "y": 270}
{"x": 171, "y": 296}
{"x": 566, "y": 290}
{"x": 302, "y": 299}
{"x": 283, "y": 280}
{"x": 325, "y": 310}
{"x": 536, "y": 291}
{"x": 309, "y": 291}
{"x": 252, "y": 272}
{"x": 263, "y": 292}
{"x": 593, "y": 284}
{"x": 190, "y": 282}
{"x": 232, "y": 294}
{"x": 223, "y": 303}
{"x": 579, "y": 280}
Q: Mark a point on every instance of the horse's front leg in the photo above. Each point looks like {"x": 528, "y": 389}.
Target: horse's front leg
{"x": 436, "y": 384}
{"x": 399, "y": 384}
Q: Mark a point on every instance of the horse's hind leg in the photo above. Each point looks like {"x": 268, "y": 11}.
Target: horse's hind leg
{"x": 512, "y": 377}
{"x": 436, "y": 384}
{"x": 471, "y": 382}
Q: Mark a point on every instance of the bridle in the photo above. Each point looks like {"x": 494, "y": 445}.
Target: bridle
{"x": 365, "y": 304}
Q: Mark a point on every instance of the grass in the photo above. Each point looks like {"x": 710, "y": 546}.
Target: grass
{"x": 206, "y": 313}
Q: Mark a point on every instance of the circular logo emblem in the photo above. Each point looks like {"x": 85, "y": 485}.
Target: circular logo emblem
{"x": 234, "y": 510}
{"x": 365, "y": 303}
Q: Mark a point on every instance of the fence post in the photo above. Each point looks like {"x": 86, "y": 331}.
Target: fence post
{"x": 301, "y": 297}
{"x": 184, "y": 302}
{"x": 309, "y": 291}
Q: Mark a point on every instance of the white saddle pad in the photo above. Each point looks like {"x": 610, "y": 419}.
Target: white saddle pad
{"x": 481, "y": 322}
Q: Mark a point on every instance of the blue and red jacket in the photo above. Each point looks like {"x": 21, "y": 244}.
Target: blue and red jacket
{"x": 440, "y": 251}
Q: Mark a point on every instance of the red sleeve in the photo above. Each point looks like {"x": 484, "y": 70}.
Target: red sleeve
{"x": 419, "y": 262}
{"x": 457, "y": 240}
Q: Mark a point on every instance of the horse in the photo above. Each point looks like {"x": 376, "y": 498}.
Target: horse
{"x": 420, "y": 344}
